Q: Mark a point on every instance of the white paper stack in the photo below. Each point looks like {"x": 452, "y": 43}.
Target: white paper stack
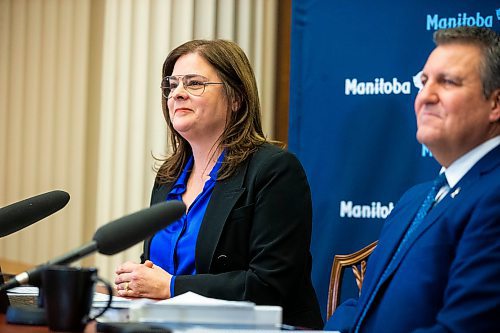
{"x": 191, "y": 310}
{"x": 119, "y": 309}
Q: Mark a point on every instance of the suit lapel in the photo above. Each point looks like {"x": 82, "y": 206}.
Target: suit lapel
{"x": 401, "y": 221}
{"x": 159, "y": 194}
{"x": 484, "y": 165}
{"x": 224, "y": 196}
{"x": 391, "y": 239}
{"x": 429, "y": 220}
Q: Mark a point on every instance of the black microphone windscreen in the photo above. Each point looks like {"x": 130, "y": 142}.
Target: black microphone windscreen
{"x": 21, "y": 214}
{"x": 124, "y": 232}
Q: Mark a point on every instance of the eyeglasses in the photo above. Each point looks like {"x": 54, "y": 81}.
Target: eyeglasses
{"x": 193, "y": 83}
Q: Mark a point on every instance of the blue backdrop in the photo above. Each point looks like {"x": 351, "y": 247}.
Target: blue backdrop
{"x": 352, "y": 120}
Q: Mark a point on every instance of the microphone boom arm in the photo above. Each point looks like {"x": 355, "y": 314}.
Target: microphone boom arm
{"x": 33, "y": 276}
{"x": 132, "y": 229}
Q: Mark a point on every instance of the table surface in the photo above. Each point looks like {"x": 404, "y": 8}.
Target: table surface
{"x": 10, "y": 328}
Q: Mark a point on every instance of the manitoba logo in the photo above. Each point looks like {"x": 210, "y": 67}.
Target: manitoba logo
{"x": 377, "y": 87}
{"x": 373, "y": 211}
{"x": 434, "y": 22}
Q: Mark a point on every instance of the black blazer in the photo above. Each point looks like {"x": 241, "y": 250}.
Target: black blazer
{"x": 254, "y": 240}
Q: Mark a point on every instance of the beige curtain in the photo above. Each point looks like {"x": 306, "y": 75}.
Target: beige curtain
{"x": 80, "y": 105}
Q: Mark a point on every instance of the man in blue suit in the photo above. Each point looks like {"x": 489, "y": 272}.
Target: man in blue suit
{"x": 437, "y": 265}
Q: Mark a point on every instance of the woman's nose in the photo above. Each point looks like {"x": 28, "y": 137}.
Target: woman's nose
{"x": 179, "y": 92}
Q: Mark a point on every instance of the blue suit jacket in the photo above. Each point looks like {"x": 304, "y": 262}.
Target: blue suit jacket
{"x": 448, "y": 278}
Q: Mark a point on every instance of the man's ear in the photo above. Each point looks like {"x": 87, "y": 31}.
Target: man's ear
{"x": 495, "y": 106}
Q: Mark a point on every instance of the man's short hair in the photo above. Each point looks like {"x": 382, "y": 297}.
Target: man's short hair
{"x": 489, "y": 43}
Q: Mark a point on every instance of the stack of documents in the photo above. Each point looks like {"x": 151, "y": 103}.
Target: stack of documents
{"x": 119, "y": 309}
{"x": 23, "y": 296}
{"x": 191, "y": 309}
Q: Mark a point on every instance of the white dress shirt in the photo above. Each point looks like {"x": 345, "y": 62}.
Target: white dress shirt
{"x": 461, "y": 166}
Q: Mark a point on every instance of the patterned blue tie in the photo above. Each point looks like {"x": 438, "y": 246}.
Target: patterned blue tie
{"x": 426, "y": 206}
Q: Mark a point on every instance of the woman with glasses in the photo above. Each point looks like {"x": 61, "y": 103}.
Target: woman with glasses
{"x": 247, "y": 229}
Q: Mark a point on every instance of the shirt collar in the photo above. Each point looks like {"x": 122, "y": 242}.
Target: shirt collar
{"x": 180, "y": 184}
{"x": 461, "y": 166}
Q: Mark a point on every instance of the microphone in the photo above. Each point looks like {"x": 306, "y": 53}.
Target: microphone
{"x": 111, "y": 238}
{"x": 19, "y": 215}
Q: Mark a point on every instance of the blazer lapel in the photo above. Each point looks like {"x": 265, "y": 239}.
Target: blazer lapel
{"x": 429, "y": 220}
{"x": 391, "y": 239}
{"x": 485, "y": 164}
{"x": 159, "y": 194}
{"x": 224, "y": 196}
{"x": 400, "y": 222}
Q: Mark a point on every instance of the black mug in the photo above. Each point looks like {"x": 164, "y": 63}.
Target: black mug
{"x": 68, "y": 295}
